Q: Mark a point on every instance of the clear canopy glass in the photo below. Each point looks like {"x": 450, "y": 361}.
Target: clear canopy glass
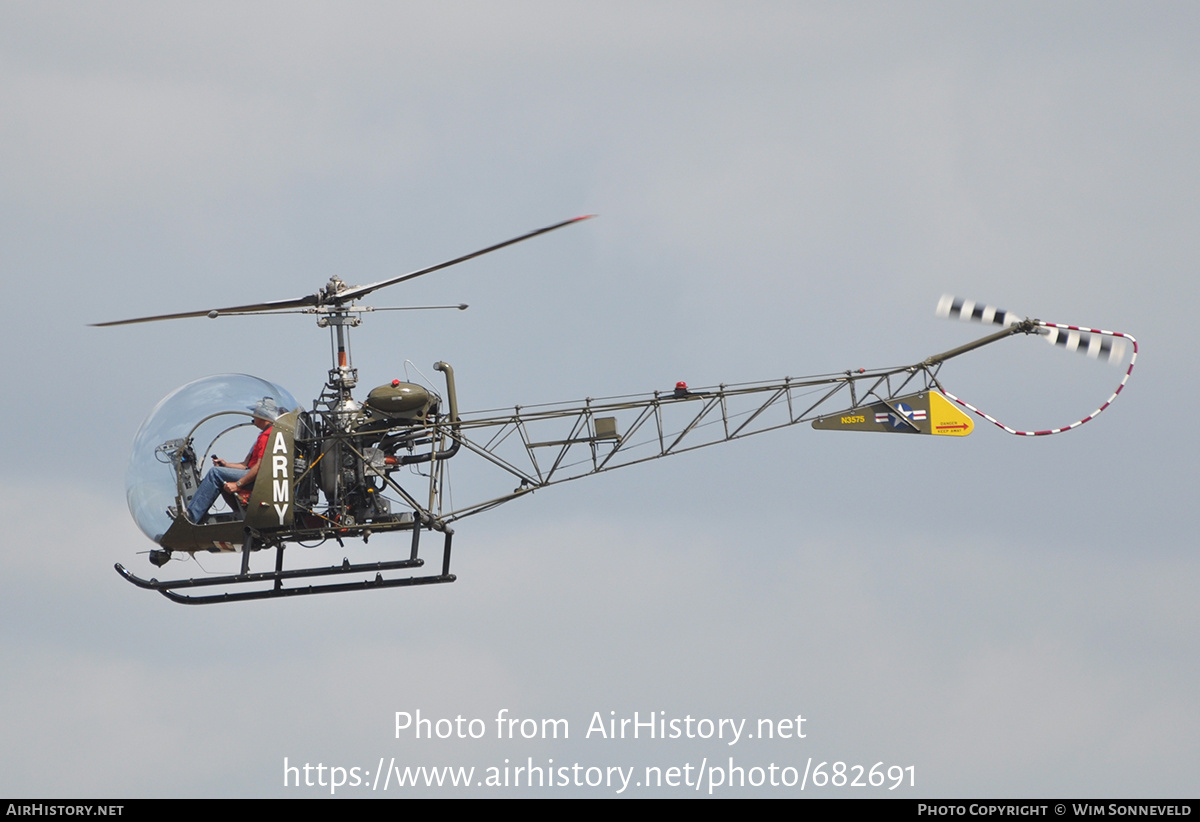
{"x": 214, "y": 412}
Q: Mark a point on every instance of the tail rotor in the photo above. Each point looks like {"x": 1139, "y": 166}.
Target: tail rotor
{"x": 1097, "y": 343}
{"x": 1094, "y": 342}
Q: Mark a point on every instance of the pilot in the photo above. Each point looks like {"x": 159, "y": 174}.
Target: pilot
{"x": 233, "y": 477}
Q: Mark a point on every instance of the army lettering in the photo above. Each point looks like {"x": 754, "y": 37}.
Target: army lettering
{"x": 280, "y": 494}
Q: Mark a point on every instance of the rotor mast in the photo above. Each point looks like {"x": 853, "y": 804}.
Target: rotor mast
{"x": 339, "y": 318}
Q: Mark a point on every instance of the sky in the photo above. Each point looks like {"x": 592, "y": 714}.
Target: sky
{"x": 783, "y": 189}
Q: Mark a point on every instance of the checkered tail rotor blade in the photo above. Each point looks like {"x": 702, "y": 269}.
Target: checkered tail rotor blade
{"x": 956, "y": 308}
{"x": 1097, "y": 346}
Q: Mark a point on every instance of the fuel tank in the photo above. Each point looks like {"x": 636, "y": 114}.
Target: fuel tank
{"x": 401, "y": 401}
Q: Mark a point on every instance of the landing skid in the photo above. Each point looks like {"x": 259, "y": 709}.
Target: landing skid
{"x": 279, "y": 576}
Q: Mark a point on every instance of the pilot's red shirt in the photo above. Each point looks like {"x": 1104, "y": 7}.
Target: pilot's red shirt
{"x": 256, "y": 455}
{"x": 260, "y": 448}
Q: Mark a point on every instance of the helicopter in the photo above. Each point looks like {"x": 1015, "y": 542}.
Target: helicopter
{"x": 345, "y": 469}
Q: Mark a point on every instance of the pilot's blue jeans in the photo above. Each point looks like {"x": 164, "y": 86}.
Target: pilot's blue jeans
{"x": 210, "y": 489}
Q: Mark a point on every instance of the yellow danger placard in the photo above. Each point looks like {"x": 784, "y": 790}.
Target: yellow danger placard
{"x": 946, "y": 418}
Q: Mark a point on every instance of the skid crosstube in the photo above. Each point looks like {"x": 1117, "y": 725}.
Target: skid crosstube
{"x": 278, "y": 576}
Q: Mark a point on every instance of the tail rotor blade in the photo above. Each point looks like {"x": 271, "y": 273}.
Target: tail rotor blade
{"x": 956, "y": 308}
{"x": 1096, "y": 346}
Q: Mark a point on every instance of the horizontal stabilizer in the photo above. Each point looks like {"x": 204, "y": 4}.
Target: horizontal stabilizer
{"x": 926, "y": 412}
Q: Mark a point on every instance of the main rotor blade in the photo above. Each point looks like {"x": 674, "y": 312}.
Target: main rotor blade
{"x": 358, "y": 291}
{"x": 345, "y": 295}
{"x": 275, "y": 305}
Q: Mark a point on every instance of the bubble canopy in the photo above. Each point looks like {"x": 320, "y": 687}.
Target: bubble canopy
{"x": 215, "y": 413}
